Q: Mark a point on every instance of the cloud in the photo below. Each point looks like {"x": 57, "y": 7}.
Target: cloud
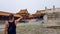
{"x": 31, "y": 5}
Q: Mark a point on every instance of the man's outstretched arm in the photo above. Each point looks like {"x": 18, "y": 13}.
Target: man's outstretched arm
{"x": 18, "y": 19}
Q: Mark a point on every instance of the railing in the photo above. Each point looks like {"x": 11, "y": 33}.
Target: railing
{"x": 2, "y": 21}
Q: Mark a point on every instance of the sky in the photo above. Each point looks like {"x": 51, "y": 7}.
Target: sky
{"x": 32, "y": 6}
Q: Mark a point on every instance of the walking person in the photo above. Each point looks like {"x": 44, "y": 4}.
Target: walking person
{"x": 10, "y": 25}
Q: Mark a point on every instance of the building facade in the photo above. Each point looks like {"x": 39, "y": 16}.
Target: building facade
{"x": 53, "y": 16}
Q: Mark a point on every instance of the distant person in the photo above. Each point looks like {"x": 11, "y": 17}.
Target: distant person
{"x": 10, "y": 25}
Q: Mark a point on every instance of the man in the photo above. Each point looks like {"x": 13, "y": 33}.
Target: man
{"x": 10, "y": 25}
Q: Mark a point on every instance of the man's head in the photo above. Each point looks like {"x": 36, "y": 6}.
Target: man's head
{"x": 11, "y": 16}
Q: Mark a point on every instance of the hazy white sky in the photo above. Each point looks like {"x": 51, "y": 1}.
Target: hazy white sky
{"x": 31, "y": 5}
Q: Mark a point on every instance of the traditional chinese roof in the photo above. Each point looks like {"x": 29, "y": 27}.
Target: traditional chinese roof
{"x": 7, "y": 14}
{"x": 38, "y": 12}
{"x": 23, "y": 11}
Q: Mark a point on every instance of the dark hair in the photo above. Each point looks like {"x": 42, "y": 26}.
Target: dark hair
{"x": 11, "y": 16}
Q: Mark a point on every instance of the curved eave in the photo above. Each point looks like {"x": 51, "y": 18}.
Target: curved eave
{"x": 4, "y": 14}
